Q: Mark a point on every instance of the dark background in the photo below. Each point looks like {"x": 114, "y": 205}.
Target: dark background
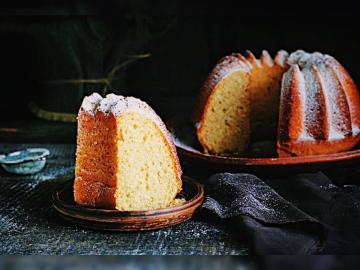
{"x": 54, "y": 40}
{"x": 51, "y": 40}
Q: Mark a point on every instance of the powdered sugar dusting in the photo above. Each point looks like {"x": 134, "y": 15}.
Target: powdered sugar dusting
{"x": 116, "y": 105}
{"x": 109, "y": 102}
{"x": 336, "y": 104}
{"x": 91, "y": 102}
{"x": 286, "y": 80}
{"x": 233, "y": 62}
{"x": 304, "y": 59}
{"x": 293, "y": 88}
{"x": 313, "y": 109}
{"x": 281, "y": 57}
{"x": 322, "y": 84}
{"x": 348, "y": 84}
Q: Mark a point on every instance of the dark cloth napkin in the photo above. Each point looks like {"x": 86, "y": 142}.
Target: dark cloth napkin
{"x": 302, "y": 214}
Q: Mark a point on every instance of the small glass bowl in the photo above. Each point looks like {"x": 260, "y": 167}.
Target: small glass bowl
{"x": 28, "y": 161}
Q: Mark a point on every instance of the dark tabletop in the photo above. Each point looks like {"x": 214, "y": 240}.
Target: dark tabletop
{"x": 29, "y": 225}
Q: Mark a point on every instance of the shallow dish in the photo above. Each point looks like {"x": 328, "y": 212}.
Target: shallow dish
{"x": 114, "y": 220}
{"x": 261, "y": 156}
{"x": 27, "y": 161}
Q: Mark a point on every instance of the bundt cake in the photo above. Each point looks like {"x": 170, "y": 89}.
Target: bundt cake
{"x": 308, "y": 101}
{"x": 125, "y": 157}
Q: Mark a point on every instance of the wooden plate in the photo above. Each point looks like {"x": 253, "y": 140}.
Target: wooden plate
{"x": 261, "y": 156}
{"x": 114, "y": 220}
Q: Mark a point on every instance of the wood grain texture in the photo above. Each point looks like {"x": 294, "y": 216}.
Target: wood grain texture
{"x": 29, "y": 225}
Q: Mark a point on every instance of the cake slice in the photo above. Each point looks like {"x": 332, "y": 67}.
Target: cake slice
{"x": 125, "y": 157}
{"x": 222, "y": 113}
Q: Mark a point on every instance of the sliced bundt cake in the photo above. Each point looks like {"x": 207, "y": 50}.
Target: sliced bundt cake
{"x": 308, "y": 101}
{"x": 125, "y": 157}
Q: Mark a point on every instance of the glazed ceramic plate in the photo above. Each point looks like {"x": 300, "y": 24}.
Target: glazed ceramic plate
{"x": 114, "y": 220}
{"x": 261, "y": 155}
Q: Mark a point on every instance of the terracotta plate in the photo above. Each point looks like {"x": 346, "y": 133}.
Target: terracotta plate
{"x": 114, "y": 220}
{"x": 261, "y": 155}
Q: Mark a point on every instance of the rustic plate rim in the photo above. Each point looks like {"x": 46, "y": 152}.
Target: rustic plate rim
{"x": 270, "y": 161}
{"x": 195, "y": 201}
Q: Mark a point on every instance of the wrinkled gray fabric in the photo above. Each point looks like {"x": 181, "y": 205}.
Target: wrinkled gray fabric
{"x": 273, "y": 224}
{"x": 230, "y": 195}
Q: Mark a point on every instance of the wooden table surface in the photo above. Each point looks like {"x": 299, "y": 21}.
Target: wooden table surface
{"x": 29, "y": 225}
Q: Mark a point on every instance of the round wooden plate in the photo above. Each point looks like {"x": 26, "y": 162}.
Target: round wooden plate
{"x": 114, "y": 220}
{"x": 261, "y": 156}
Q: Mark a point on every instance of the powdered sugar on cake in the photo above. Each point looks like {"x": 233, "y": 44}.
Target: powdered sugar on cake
{"x": 116, "y": 105}
{"x": 90, "y": 103}
{"x": 304, "y": 59}
{"x": 319, "y": 72}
